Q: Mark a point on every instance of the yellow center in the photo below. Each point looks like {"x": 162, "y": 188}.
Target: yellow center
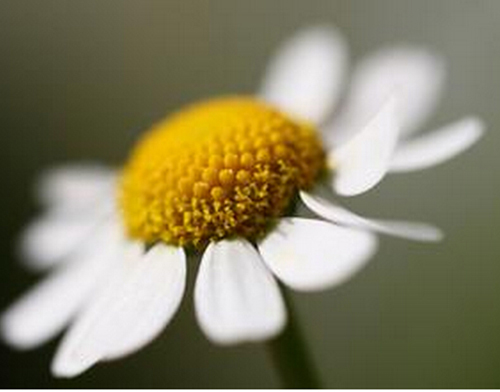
{"x": 217, "y": 169}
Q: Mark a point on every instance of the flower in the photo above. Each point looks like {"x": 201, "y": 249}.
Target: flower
{"x": 220, "y": 177}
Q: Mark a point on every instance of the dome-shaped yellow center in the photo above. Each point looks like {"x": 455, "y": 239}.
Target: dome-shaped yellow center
{"x": 218, "y": 169}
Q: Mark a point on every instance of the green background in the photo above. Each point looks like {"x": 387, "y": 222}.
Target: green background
{"x": 79, "y": 80}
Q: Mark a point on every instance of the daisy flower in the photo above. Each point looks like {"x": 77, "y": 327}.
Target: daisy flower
{"x": 222, "y": 178}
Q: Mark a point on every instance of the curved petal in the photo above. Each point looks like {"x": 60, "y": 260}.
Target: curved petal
{"x": 45, "y": 310}
{"x": 305, "y": 77}
{"x": 137, "y": 303}
{"x": 333, "y": 212}
{"x": 416, "y": 74}
{"x": 438, "y": 146}
{"x": 236, "y": 297}
{"x": 363, "y": 161}
{"x": 76, "y": 186}
{"x": 308, "y": 254}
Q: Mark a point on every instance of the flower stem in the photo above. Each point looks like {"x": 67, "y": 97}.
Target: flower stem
{"x": 290, "y": 355}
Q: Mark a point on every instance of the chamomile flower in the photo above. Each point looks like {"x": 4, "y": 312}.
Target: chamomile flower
{"x": 221, "y": 177}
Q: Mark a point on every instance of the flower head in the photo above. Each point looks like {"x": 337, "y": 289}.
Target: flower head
{"x": 223, "y": 177}
{"x": 219, "y": 169}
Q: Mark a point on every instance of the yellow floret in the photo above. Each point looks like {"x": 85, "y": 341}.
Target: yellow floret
{"x": 218, "y": 169}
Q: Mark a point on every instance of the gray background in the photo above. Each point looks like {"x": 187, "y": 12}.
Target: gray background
{"x": 79, "y": 80}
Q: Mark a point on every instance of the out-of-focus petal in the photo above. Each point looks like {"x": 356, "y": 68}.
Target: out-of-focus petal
{"x": 75, "y": 187}
{"x": 437, "y": 147}
{"x": 306, "y": 75}
{"x": 415, "y": 74}
{"x": 310, "y": 255}
{"x": 139, "y": 300}
{"x": 45, "y": 310}
{"x": 52, "y": 238}
{"x": 236, "y": 297}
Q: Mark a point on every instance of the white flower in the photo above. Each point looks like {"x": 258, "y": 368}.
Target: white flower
{"x": 116, "y": 294}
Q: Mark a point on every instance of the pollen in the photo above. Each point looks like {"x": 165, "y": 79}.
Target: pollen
{"x": 217, "y": 169}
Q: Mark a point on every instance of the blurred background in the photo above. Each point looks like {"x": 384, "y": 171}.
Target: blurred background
{"x": 79, "y": 80}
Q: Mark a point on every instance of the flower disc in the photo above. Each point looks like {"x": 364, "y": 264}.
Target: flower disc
{"x": 217, "y": 169}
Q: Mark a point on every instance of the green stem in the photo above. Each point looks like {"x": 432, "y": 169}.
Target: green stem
{"x": 290, "y": 355}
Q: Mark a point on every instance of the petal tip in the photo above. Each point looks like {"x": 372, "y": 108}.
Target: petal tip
{"x": 67, "y": 369}
{"x": 429, "y": 234}
{"x": 295, "y": 253}
{"x": 478, "y": 128}
{"x": 305, "y": 75}
{"x": 439, "y": 146}
{"x": 16, "y": 334}
{"x": 236, "y": 298}
{"x": 242, "y": 337}
{"x": 8, "y": 333}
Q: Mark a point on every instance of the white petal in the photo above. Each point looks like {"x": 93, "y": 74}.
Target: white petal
{"x": 438, "y": 146}
{"x": 305, "y": 76}
{"x": 236, "y": 297}
{"x": 76, "y": 186}
{"x": 417, "y": 76}
{"x": 138, "y": 302}
{"x": 45, "y": 310}
{"x": 309, "y": 255}
{"x": 363, "y": 161}
{"x": 50, "y": 239}
{"x": 333, "y": 212}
